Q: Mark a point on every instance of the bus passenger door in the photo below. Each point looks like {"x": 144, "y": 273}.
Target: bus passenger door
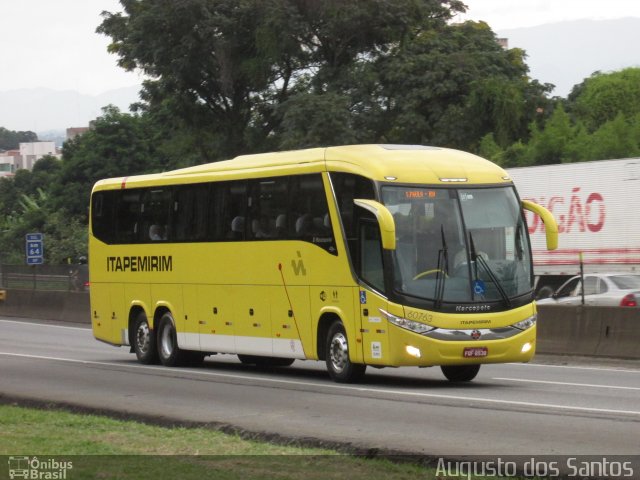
{"x": 371, "y": 273}
{"x": 374, "y": 332}
{"x": 216, "y": 319}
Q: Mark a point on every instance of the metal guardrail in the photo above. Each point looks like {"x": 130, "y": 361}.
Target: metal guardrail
{"x": 59, "y": 278}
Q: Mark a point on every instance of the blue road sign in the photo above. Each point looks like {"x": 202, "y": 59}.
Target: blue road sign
{"x": 34, "y": 248}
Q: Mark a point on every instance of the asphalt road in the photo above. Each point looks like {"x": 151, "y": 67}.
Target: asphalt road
{"x": 532, "y": 409}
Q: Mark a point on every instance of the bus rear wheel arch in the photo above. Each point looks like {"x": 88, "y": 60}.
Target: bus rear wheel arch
{"x": 340, "y": 367}
{"x": 460, "y": 373}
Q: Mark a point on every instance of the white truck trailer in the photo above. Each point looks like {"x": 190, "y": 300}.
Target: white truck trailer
{"x": 597, "y": 207}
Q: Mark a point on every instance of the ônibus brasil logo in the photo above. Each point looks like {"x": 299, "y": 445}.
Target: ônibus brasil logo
{"x": 36, "y": 469}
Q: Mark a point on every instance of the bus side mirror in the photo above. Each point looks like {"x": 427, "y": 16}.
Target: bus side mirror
{"x": 550, "y": 225}
{"x": 385, "y": 221}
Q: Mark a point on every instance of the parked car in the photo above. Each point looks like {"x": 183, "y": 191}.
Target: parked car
{"x": 602, "y": 289}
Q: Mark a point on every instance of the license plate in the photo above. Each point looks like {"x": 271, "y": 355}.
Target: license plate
{"x": 475, "y": 352}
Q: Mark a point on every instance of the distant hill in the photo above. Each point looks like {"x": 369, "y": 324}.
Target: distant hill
{"x": 566, "y": 53}
{"x": 42, "y": 109}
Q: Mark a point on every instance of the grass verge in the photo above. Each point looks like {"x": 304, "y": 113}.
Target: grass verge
{"x": 106, "y": 448}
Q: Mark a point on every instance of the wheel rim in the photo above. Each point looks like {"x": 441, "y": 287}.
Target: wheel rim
{"x": 339, "y": 352}
{"x": 166, "y": 342}
{"x": 143, "y": 338}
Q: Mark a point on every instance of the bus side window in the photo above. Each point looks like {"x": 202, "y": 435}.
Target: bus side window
{"x": 103, "y": 211}
{"x": 268, "y": 202}
{"x": 311, "y": 212}
{"x": 190, "y": 205}
{"x": 370, "y": 264}
{"x": 231, "y": 211}
{"x": 348, "y": 187}
{"x": 154, "y": 214}
{"x": 129, "y": 216}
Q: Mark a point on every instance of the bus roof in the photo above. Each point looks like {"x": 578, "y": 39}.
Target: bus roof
{"x": 399, "y": 163}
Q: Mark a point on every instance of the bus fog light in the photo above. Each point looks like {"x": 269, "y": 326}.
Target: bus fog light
{"x": 526, "y": 347}
{"x": 413, "y": 351}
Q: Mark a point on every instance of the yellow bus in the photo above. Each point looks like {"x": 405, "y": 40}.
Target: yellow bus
{"x": 380, "y": 255}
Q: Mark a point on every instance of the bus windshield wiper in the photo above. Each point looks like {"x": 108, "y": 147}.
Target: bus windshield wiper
{"x": 479, "y": 260}
{"x": 442, "y": 270}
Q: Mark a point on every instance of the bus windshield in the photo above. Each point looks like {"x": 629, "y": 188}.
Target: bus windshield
{"x": 459, "y": 245}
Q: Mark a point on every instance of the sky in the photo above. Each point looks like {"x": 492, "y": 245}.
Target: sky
{"x": 53, "y": 44}
{"x": 508, "y": 14}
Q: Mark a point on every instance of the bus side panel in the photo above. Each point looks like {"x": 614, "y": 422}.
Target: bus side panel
{"x": 290, "y": 322}
{"x": 109, "y": 320}
{"x": 119, "y": 314}
{"x": 216, "y": 319}
{"x": 101, "y": 313}
{"x": 191, "y": 331}
{"x": 252, "y": 320}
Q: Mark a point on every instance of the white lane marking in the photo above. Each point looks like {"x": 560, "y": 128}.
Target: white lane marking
{"x": 577, "y": 367}
{"x": 85, "y": 329}
{"x": 336, "y": 387}
{"x": 569, "y": 384}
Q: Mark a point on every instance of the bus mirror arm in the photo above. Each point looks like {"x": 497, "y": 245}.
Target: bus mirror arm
{"x": 385, "y": 221}
{"x": 550, "y": 224}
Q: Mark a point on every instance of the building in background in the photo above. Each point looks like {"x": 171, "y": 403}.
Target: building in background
{"x": 26, "y": 157}
{"x": 74, "y": 132}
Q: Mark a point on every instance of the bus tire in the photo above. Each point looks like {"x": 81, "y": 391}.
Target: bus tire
{"x": 340, "y": 367}
{"x": 460, "y": 373}
{"x": 168, "y": 351}
{"x": 144, "y": 341}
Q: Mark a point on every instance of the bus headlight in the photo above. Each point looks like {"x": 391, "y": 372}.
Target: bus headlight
{"x": 526, "y": 323}
{"x": 416, "y": 327}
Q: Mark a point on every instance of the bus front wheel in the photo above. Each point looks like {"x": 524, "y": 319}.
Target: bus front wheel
{"x": 460, "y": 373}
{"x": 170, "y": 354}
{"x": 144, "y": 341}
{"x": 341, "y": 368}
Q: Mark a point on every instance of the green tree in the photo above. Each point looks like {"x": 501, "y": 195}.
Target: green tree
{"x": 117, "y": 145}
{"x": 230, "y": 67}
{"x": 550, "y": 144}
{"x": 603, "y": 96}
{"x": 10, "y": 140}
{"x": 443, "y": 85}
{"x": 616, "y": 138}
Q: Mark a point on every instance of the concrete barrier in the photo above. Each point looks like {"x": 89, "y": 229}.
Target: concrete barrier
{"x": 591, "y": 331}
{"x": 47, "y": 305}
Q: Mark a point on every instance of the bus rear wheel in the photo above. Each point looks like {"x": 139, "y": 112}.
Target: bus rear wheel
{"x": 460, "y": 373}
{"x": 168, "y": 351}
{"x": 341, "y": 368}
{"x": 144, "y": 341}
